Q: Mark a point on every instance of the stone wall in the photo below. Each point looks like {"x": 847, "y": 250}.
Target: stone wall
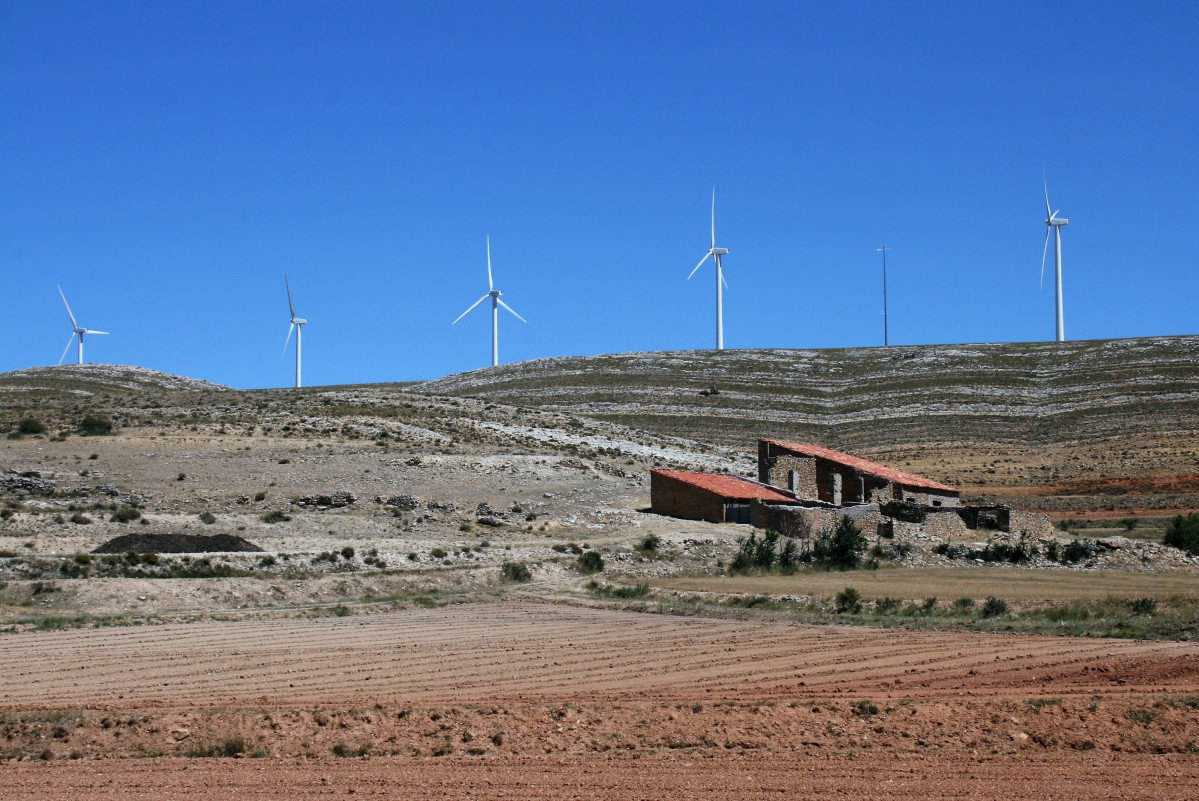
{"x": 945, "y": 525}
{"x": 1036, "y": 525}
{"x": 808, "y": 521}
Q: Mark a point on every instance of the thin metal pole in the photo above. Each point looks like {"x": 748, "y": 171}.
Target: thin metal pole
{"x": 886, "y": 334}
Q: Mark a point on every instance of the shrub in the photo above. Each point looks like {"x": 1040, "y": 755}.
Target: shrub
{"x": 930, "y": 604}
{"x": 347, "y": 553}
{"x": 181, "y": 477}
{"x": 864, "y": 709}
{"x": 963, "y": 605}
{"x": 591, "y": 562}
{"x": 840, "y": 548}
{"x": 1143, "y": 606}
{"x": 285, "y": 461}
{"x": 260, "y": 496}
{"x": 438, "y": 553}
{"x": 650, "y": 542}
{"x": 516, "y": 571}
{"x": 275, "y": 516}
{"x": 1077, "y": 550}
{"x": 31, "y": 426}
{"x": 125, "y": 514}
{"x": 1183, "y": 533}
{"x": 885, "y": 606}
{"x": 207, "y": 518}
{"x": 755, "y": 553}
{"x": 1128, "y": 523}
{"x": 849, "y": 600}
{"x": 1051, "y": 551}
{"x": 994, "y": 607}
{"x": 341, "y": 611}
{"x": 80, "y": 518}
{"x": 95, "y": 426}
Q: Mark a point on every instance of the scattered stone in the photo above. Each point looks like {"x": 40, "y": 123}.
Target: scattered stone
{"x": 413, "y": 461}
{"x": 177, "y": 543}
{"x": 337, "y": 500}
{"x": 405, "y": 502}
{"x": 108, "y": 489}
{"x": 42, "y": 486}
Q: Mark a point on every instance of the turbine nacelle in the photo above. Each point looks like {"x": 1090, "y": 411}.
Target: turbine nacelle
{"x": 1057, "y": 221}
{"x": 298, "y": 321}
{"x": 719, "y": 251}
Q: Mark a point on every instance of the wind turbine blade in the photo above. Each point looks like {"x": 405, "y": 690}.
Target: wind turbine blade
{"x": 726, "y": 283}
{"x": 509, "y": 308}
{"x": 713, "y": 216}
{"x": 490, "y": 285}
{"x": 67, "y": 348}
{"x": 472, "y": 307}
{"x": 90, "y": 331}
{"x": 290, "y": 305}
{"x": 68, "y": 305}
{"x": 1044, "y": 253}
{"x": 287, "y": 341}
{"x": 1048, "y": 213}
{"x": 701, "y": 264}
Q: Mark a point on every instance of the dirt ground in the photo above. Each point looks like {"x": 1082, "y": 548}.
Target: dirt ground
{"x": 540, "y": 700}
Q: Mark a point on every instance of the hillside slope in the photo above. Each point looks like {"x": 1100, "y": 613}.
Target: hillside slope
{"x": 991, "y": 414}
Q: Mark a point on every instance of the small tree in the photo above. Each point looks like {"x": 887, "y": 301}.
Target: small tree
{"x": 840, "y": 548}
{"x": 591, "y": 562}
{"x": 31, "y": 426}
{"x": 1183, "y": 533}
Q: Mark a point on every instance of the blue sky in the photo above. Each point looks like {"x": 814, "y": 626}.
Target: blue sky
{"x": 167, "y": 163}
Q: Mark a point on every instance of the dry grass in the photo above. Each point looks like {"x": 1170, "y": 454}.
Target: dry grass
{"x": 1013, "y": 584}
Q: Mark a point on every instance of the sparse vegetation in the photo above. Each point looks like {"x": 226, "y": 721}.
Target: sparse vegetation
{"x": 275, "y": 516}
{"x": 848, "y": 601}
{"x": 590, "y": 562}
{"x": 516, "y": 571}
{"x": 1183, "y": 533}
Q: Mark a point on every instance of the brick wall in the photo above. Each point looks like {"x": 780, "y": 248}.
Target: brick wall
{"x": 669, "y": 496}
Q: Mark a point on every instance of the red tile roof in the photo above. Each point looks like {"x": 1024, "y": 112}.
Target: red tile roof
{"x": 731, "y": 487}
{"x": 863, "y": 465}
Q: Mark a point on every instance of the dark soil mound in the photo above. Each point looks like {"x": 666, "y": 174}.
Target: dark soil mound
{"x": 176, "y": 543}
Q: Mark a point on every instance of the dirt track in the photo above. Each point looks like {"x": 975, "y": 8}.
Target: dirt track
{"x": 534, "y": 700}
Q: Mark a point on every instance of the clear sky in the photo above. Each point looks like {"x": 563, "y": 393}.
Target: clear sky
{"x": 168, "y": 162}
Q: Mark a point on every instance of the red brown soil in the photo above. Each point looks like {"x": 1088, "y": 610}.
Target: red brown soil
{"x": 544, "y": 701}
{"x": 1138, "y": 485}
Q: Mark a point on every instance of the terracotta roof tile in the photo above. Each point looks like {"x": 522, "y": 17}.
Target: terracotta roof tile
{"x": 863, "y": 465}
{"x": 731, "y": 487}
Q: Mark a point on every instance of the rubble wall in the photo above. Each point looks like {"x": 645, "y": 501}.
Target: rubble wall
{"x": 1036, "y": 525}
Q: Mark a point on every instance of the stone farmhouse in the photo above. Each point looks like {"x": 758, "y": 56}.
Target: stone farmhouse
{"x": 803, "y": 489}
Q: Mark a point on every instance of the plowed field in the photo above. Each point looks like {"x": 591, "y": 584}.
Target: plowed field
{"x": 547, "y": 701}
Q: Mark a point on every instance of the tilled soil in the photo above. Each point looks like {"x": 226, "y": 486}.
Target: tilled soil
{"x": 536, "y": 700}
{"x": 666, "y": 776}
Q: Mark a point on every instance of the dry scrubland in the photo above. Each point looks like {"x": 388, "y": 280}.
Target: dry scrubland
{"x": 377, "y": 646}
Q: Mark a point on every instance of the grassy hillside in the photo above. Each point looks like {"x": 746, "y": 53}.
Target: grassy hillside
{"x": 996, "y": 414}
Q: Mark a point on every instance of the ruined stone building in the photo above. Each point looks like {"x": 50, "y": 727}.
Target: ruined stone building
{"x": 803, "y": 489}
{"x": 813, "y": 473}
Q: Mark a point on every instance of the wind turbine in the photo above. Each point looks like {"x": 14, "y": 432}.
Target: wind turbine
{"x": 297, "y": 324}
{"x": 1054, "y": 224}
{"x": 494, "y": 294}
{"x": 715, "y": 253}
{"x": 76, "y": 332}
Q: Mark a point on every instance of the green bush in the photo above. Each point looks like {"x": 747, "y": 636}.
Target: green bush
{"x": 1143, "y": 606}
{"x": 1183, "y": 533}
{"x": 31, "y": 426}
{"x": 840, "y": 548}
{"x": 591, "y": 562}
{"x": 963, "y": 605}
{"x": 755, "y": 553}
{"x": 347, "y": 553}
{"x": 95, "y": 426}
{"x": 125, "y": 514}
{"x": 1077, "y": 550}
{"x": 885, "y": 606}
{"x": 80, "y": 518}
{"x": 994, "y": 607}
{"x": 849, "y": 600}
{"x": 650, "y": 542}
{"x": 207, "y": 518}
{"x": 275, "y": 516}
{"x": 516, "y": 571}
{"x": 438, "y": 553}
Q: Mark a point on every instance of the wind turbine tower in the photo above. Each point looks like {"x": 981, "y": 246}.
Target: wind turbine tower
{"x": 297, "y": 325}
{"x": 715, "y": 253}
{"x": 1054, "y": 225}
{"x": 494, "y": 294}
{"x": 77, "y": 330}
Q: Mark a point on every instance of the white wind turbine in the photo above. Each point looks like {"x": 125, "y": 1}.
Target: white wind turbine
{"x": 1054, "y": 224}
{"x": 494, "y": 294}
{"x": 715, "y": 253}
{"x": 297, "y": 324}
{"x": 76, "y": 332}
